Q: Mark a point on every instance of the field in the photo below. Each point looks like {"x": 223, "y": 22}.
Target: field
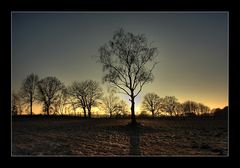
{"x": 112, "y": 137}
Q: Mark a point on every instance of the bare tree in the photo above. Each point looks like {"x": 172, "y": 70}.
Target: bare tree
{"x": 178, "y": 109}
{"x": 122, "y": 109}
{"x": 110, "y": 103}
{"x": 78, "y": 91}
{"x": 74, "y": 105}
{"x": 152, "y": 103}
{"x": 28, "y": 90}
{"x": 194, "y": 107}
{"x": 187, "y": 107}
{"x": 203, "y": 109}
{"x": 94, "y": 94}
{"x": 128, "y": 62}
{"x": 86, "y": 94}
{"x": 49, "y": 89}
{"x": 190, "y": 107}
{"x": 170, "y": 104}
{"x": 16, "y": 104}
{"x": 61, "y": 103}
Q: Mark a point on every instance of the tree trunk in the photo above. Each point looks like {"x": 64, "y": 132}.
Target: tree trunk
{"x": 48, "y": 107}
{"x": 110, "y": 114}
{"x": 84, "y": 111}
{"x": 48, "y": 111}
{"x": 89, "y": 113}
{"x": 152, "y": 114}
{"x": 31, "y": 107}
{"x": 133, "y": 117}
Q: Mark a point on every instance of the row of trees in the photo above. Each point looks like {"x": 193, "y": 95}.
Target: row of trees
{"x": 56, "y": 98}
{"x": 169, "y": 105}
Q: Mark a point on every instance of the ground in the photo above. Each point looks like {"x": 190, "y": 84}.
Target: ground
{"x": 112, "y": 137}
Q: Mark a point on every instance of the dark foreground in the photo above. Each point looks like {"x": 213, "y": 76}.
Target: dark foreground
{"x": 111, "y": 137}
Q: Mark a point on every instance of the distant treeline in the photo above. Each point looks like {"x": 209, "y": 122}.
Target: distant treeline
{"x": 216, "y": 113}
{"x": 80, "y": 98}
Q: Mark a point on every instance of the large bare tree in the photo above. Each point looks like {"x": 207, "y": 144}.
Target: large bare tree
{"x": 28, "y": 90}
{"x": 128, "y": 61}
{"x": 49, "y": 89}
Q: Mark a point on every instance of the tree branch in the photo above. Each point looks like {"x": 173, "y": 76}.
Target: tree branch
{"x": 141, "y": 85}
{"x": 120, "y": 87}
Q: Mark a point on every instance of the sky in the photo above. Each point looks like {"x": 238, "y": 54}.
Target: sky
{"x": 192, "y": 49}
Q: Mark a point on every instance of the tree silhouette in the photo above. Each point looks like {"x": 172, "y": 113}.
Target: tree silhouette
{"x": 49, "y": 89}
{"x": 128, "y": 62}
{"x": 28, "y": 90}
{"x": 221, "y": 113}
{"x": 110, "y": 103}
{"x": 170, "y": 105}
{"x": 190, "y": 107}
{"x": 152, "y": 103}
{"x": 86, "y": 95}
{"x": 178, "y": 109}
{"x": 94, "y": 94}
{"x": 203, "y": 109}
{"x": 78, "y": 91}
{"x": 122, "y": 109}
{"x": 74, "y": 104}
{"x": 16, "y": 104}
{"x": 60, "y": 105}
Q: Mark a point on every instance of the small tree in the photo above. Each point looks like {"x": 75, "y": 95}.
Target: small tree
{"x": 128, "y": 62}
{"x": 61, "y": 103}
{"x": 122, "y": 109}
{"x": 187, "y": 107}
{"x": 110, "y": 103}
{"x": 203, "y": 109}
{"x": 170, "y": 105}
{"x": 78, "y": 91}
{"x": 94, "y": 94}
{"x": 49, "y": 90}
{"x": 178, "y": 109}
{"x": 28, "y": 90}
{"x": 16, "y": 104}
{"x": 152, "y": 103}
{"x": 86, "y": 95}
{"x": 190, "y": 107}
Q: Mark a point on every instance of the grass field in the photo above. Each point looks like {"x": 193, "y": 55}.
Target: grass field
{"x": 111, "y": 137}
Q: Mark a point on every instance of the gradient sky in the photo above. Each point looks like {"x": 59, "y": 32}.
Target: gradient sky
{"x": 193, "y": 49}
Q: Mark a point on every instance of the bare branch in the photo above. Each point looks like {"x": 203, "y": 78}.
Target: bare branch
{"x": 121, "y": 88}
{"x": 150, "y": 73}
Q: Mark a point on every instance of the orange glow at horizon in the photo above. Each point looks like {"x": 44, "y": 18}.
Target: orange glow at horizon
{"x": 37, "y": 109}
